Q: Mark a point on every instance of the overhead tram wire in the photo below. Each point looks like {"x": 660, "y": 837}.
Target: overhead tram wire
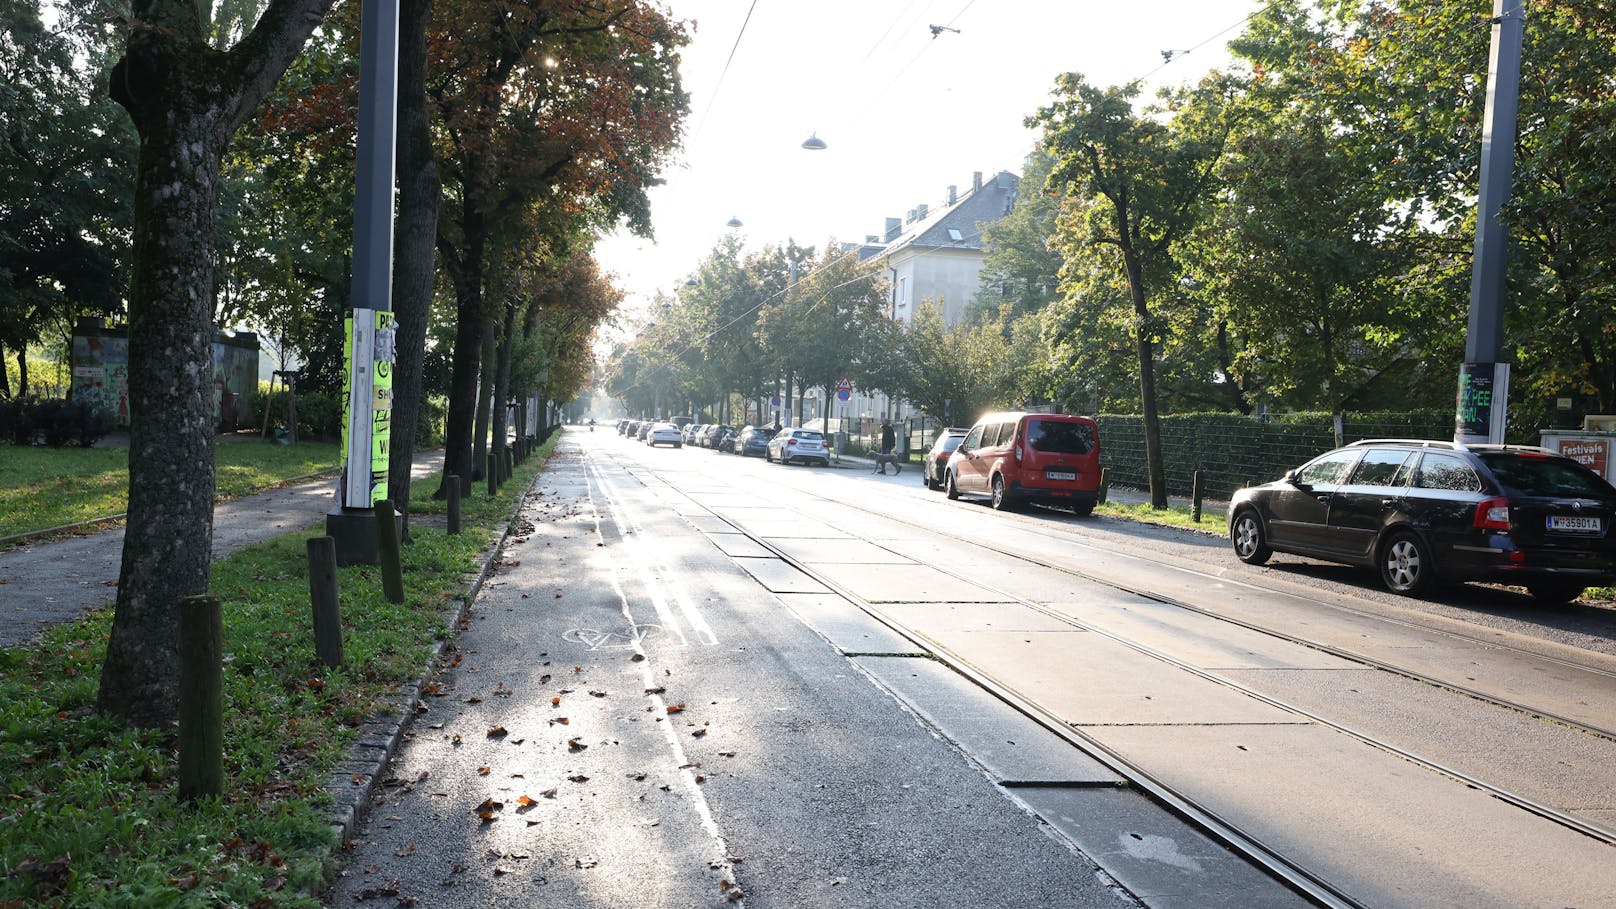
{"x": 725, "y": 71}
{"x": 1170, "y": 56}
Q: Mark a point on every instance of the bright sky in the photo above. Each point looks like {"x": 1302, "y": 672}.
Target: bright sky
{"x": 904, "y": 115}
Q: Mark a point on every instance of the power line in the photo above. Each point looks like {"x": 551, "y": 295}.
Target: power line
{"x": 736, "y": 46}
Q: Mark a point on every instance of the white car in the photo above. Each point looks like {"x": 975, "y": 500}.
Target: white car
{"x": 664, "y": 433}
{"x": 793, "y": 444}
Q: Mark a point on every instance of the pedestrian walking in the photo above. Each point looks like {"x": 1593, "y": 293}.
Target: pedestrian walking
{"x": 888, "y": 438}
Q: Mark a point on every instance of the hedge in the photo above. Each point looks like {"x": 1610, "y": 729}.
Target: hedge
{"x": 1232, "y": 451}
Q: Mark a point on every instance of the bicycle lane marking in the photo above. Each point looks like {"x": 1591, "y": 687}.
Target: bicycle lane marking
{"x": 632, "y": 535}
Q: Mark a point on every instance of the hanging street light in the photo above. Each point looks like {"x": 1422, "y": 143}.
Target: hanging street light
{"x": 813, "y": 142}
{"x": 736, "y": 222}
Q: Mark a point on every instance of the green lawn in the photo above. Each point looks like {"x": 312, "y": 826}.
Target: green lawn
{"x": 88, "y": 811}
{"x": 42, "y": 488}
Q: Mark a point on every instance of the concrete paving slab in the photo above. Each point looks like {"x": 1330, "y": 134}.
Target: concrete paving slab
{"x": 1007, "y": 743}
{"x": 1419, "y": 839}
{"x": 710, "y": 523}
{"x": 852, "y": 552}
{"x": 936, "y": 617}
{"x": 1549, "y": 762}
{"x": 736, "y": 544}
{"x": 1089, "y": 680}
{"x": 849, "y": 628}
{"x": 774, "y": 528}
{"x": 908, "y": 584}
{"x": 1156, "y": 855}
{"x": 778, "y": 577}
{"x": 1196, "y": 638}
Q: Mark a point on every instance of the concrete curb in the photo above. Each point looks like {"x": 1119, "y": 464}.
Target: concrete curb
{"x": 353, "y": 781}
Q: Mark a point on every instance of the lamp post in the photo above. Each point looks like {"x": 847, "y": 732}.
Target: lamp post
{"x": 370, "y": 335}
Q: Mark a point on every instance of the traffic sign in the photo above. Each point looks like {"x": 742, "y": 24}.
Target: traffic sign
{"x": 843, "y": 395}
{"x": 846, "y": 385}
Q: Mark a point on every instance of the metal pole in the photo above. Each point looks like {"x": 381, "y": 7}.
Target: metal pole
{"x": 351, "y": 523}
{"x": 1484, "y": 341}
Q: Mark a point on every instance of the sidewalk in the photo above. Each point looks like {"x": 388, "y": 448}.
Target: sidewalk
{"x": 53, "y": 581}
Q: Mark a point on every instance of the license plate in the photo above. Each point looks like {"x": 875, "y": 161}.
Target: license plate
{"x": 1573, "y": 524}
{"x": 1061, "y": 475}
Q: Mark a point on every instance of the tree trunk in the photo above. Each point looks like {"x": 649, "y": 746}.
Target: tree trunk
{"x": 413, "y": 244}
{"x": 466, "y": 363}
{"x": 485, "y": 391}
{"x": 502, "y": 380}
{"x": 1154, "y": 467}
{"x": 22, "y": 372}
{"x": 186, "y": 100}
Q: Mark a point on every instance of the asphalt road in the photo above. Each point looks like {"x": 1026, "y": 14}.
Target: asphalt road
{"x": 647, "y": 708}
{"x": 1394, "y": 749}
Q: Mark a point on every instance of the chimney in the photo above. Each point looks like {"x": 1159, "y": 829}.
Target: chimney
{"x": 871, "y": 239}
{"x": 909, "y": 216}
{"x": 953, "y": 194}
{"x": 894, "y": 227}
{"x": 920, "y": 212}
{"x": 976, "y": 181}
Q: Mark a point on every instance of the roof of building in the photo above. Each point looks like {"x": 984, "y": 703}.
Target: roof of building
{"x": 957, "y": 226}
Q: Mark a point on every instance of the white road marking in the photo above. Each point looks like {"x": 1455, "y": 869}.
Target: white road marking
{"x": 665, "y": 579}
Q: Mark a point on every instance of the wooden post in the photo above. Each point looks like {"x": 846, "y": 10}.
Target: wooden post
{"x": 1196, "y": 491}
{"x": 387, "y": 538}
{"x": 1105, "y": 485}
{"x": 201, "y": 769}
{"x": 451, "y": 482}
{"x": 323, "y": 600}
{"x": 510, "y": 463}
{"x": 492, "y": 473}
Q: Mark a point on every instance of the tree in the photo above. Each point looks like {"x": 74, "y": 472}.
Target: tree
{"x": 565, "y": 105}
{"x": 65, "y": 191}
{"x": 1148, "y": 179}
{"x": 186, "y": 100}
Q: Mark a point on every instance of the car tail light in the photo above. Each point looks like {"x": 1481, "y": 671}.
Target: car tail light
{"x": 791, "y": 441}
{"x": 1493, "y": 514}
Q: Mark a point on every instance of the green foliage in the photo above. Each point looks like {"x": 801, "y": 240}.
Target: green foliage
{"x": 101, "y": 799}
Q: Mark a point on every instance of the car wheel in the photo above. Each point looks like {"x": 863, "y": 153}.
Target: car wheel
{"x": 1554, "y": 593}
{"x": 1406, "y": 565}
{"x": 1250, "y": 546}
{"x": 949, "y": 487}
{"x": 676, "y": 445}
{"x": 1083, "y": 509}
{"x": 1002, "y": 499}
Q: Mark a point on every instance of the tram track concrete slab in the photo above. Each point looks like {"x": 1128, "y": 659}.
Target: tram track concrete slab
{"x": 1158, "y": 856}
{"x": 739, "y": 545}
{"x": 1008, "y": 744}
{"x": 847, "y": 627}
{"x": 778, "y": 577}
{"x": 1310, "y": 789}
{"x": 907, "y": 584}
{"x": 954, "y": 617}
{"x": 851, "y": 552}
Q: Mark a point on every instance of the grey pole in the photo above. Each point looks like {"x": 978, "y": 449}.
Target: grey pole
{"x": 1484, "y": 341}
{"x": 353, "y": 526}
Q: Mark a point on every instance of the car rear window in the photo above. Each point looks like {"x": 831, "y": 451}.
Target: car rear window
{"x": 949, "y": 443}
{"x": 1534, "y": 475}
{"x": 807, "y": 434}
{"x": 1060, "y": 436}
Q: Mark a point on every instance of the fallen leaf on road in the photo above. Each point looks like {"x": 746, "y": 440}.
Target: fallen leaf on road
{"x": 489, "y": 809}
{"x": 484, "y": 771}
{"x": 597, "y": 694}
{"x": 495, "y": 732}
{"x": 657, "y": 690}
{"x": 555, "y": 702}
{"x": 585, "y": 862}
{"x": 675, "y": 708}
{"x": 525, "y": 802}
{"x": 578, "y": 778}
{"x": 474, "y": 700}
{"x": 406, "y": 851}
{"x": 560, "y": 719}
{"x": 549, "y": 793}
{"x": 575, "y": 745}
{"x": 637, "y": 658}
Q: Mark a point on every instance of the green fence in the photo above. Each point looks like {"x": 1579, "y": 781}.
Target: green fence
{"x": 1233, "y": 451}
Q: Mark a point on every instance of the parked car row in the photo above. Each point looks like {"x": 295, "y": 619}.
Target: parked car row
{"x": 748, "y": 441}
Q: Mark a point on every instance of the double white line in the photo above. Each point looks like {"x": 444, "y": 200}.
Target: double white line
{"x": 676, "y": 612}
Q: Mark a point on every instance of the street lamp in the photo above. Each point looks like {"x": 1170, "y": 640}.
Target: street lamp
{"x": 736, "y": 222}
{"x": 814, "y": 143}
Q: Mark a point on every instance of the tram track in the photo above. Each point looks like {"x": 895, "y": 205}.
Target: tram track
{"x": 1245, "y": 842}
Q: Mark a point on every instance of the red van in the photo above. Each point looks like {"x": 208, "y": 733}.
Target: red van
{"x": 1029, "y": 457}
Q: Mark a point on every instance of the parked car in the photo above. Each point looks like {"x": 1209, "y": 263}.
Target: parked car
{"x": 690, "y": 433}
{"x": 664, "y": 434}
{"x": 726, "y": 440}
{"x": 1425, "y": 512}
{"x": 793, "y": 444}
{"x": 644, "y": 430}
{"x": 713, "y": 434}
{"x": 621, "y": 425}
{"x": 1015, "y": 458}
{"x": 754, "y": 440}
{"x": 936, "y": 461}
{"x": 631, "y": 429}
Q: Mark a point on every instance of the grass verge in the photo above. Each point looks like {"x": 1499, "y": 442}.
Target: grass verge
{"x": 42, "y": 488}
{"x": 90, "y": 817}
{"x": 1212, "y": 522}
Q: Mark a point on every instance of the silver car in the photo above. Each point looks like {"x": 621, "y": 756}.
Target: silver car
{"x": 793, "y": 444}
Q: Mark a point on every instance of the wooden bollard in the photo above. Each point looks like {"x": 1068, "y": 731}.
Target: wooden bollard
{"x": 1197, "y": 488}
{"x": 201, "y": 767}
{"x": 323, "y": 600}
{"x": 510, "y": 463}
{"x": 1105, "y": 485}
{"x": 451, "y": 482}
{"x": 392, "y": 563}
{"x": 492, "y": 473}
